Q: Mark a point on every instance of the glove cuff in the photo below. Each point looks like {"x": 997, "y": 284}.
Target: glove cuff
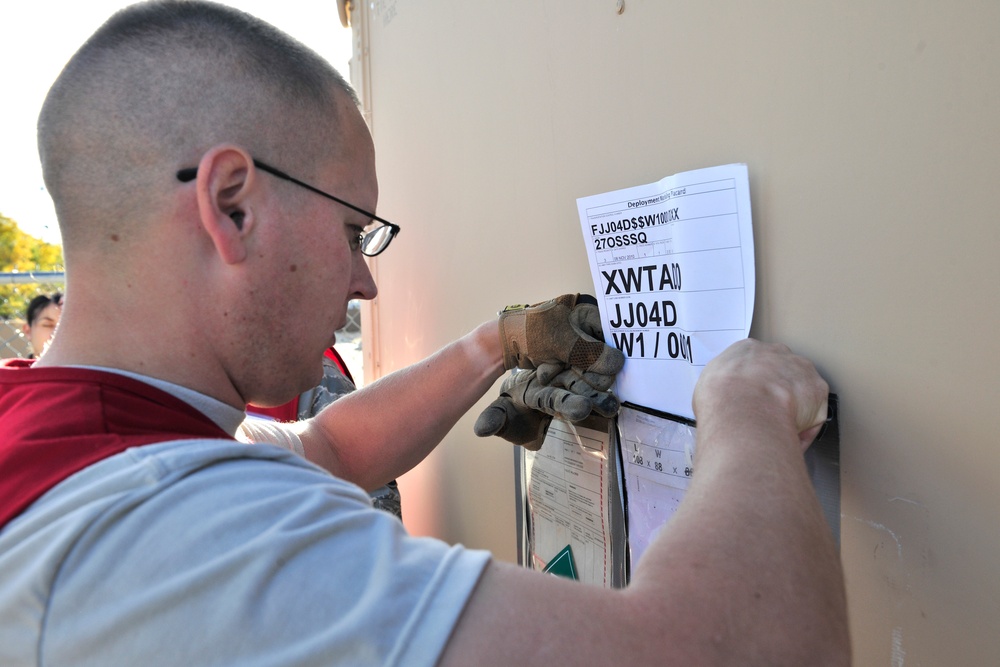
{"x": 512, "y": 324}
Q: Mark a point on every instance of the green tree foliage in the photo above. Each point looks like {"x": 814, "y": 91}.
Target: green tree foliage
{"x": 24, "y": 253}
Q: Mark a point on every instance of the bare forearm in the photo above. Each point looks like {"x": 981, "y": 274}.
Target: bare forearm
{"x": 383, "y": 430}
{"x": 749, "y": 552}
{"x": 745, "y": 573}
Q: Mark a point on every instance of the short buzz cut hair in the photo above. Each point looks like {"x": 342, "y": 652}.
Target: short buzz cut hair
{"x": 160, "y": 83}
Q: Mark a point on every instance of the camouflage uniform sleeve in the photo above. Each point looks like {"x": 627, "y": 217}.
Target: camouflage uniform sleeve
{"x": 334, "y": 385}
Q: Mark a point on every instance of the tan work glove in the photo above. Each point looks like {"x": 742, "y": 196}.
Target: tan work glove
{"x": 525, "y": 407}
{"x": 560, "y": 333}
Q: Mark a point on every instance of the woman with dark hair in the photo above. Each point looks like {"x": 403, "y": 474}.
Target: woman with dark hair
{"x": 41, "y": 320}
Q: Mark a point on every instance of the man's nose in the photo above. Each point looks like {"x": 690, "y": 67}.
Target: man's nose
{"x": 362, "y": 280}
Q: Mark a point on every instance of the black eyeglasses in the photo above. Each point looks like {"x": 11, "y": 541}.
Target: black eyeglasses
{"x": 371, "y": 243}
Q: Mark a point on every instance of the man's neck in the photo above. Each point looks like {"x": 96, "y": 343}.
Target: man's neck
{"x": 197, "y": 375}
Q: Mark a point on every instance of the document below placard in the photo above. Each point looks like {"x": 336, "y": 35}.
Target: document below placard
{"x": 673, "y": 270}
{"x": 569, "y": 481}
{"x": 658, "y": 455}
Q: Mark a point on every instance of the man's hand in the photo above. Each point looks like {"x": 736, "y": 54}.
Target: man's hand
{"x": 764, "y": 379}
{"x": 525, "y": 407}
{"x": 564, "y": 332}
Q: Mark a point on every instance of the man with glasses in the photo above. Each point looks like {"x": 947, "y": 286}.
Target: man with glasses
{"x": 135, "y": 529}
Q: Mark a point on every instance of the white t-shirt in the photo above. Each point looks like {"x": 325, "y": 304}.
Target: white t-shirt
{"x": 210, "y": 552}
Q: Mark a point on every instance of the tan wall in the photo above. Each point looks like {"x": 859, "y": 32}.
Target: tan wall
{"x": 872, "y": 135}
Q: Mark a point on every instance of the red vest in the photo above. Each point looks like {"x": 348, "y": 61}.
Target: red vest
{"x": 57, "y": 421}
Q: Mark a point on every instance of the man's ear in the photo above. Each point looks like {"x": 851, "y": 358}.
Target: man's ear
{"x": 224, "y": 184}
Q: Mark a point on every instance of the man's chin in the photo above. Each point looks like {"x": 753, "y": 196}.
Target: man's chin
{"x": 318, "y": 378}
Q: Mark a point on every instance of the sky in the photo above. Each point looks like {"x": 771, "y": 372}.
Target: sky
{"x": 34, "y": 46}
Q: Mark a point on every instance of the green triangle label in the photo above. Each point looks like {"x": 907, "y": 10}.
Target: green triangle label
{"x": 563, "y": 565}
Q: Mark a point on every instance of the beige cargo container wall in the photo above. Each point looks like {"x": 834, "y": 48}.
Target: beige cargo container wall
{"x": 872, "y": 135}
